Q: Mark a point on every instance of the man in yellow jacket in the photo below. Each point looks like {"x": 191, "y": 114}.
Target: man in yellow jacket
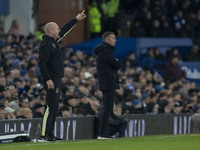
{"x": 94, "y": 17}
{"x": 112, "y": 7}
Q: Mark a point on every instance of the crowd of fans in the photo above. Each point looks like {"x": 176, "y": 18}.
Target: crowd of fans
{"x": 143, "y": 90}
{"x": 154, "y": 18}
{"x": 162, "y": 18}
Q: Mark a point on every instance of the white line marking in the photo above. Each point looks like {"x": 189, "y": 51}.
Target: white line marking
{"x": 93, "y": 140}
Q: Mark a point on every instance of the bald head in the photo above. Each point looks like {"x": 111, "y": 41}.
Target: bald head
{"x": 51, "y": 29}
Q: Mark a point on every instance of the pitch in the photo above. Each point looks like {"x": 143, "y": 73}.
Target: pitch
{"x": 159, "y": 142}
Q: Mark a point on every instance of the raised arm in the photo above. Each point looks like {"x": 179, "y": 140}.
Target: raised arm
{"x": 70, "y": 25}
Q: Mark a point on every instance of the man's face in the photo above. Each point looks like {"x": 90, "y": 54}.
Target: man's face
{"x": 175, "y": 61}
{"x": 2, "y": 114}
{"x": 24, "y": 103}
{"x": 41, "y": 110}
{"x": 111, "y": 39}
{"x": 2, "y": 81}
{"x": 55, "y": 31}
{"x": 66, "y": 113}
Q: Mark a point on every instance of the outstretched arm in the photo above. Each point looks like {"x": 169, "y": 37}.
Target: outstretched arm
{"x": 70, "y": 25}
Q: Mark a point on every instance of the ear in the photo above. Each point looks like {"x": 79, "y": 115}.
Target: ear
{"x": 107, "y": 40}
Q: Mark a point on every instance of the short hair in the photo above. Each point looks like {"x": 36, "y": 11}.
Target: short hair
{"x": 48, "y": 27}
{"x": 106, "y": 34}
{"x": 65, "y": 108}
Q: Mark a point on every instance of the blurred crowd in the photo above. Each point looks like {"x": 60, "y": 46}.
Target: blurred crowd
{"x": 161, "y": 18}
{"x": 146, "y": 18}
{"x": 145, "y": 86}
{"x": 143, "y": 90}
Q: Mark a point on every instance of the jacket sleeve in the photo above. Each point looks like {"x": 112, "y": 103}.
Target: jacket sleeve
{"x": 67, "y": 28}
{"x": 44, "y": 53}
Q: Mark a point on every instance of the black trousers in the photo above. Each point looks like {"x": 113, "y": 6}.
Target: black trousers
{"x": 108, "y": 102}
{"x": 52, "y": 99}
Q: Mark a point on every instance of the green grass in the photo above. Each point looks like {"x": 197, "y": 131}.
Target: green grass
{"x": 160, "y": 142}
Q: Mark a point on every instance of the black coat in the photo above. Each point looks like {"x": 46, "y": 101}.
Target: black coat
{"x": 50, "y": 59}
{"x": 107, "y": 67}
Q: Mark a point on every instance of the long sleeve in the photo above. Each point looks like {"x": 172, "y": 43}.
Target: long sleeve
{"x": 67, "y": 28}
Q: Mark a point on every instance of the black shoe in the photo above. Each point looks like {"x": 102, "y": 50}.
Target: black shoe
{"x": 46, "y": 139}
{"x": 104, "y": 136}
{"x": 57, "y": 139}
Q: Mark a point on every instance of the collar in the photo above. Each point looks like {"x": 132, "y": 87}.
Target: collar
{"x": 46, "y": 37}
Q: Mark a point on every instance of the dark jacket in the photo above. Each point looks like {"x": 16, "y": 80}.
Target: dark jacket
{"x": 37, "y": 115}
{"x": 50, "y": 59}
{"x": 174, "y": 73}
{"x": 107, "y": 66}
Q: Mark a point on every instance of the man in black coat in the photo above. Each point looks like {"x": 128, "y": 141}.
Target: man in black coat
{"x": 51, "y": 67}
{"x": 107, "y": 67}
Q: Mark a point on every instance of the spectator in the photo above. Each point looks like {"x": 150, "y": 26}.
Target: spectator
{"x": 38, "y": 111}
{"x": 2, "y": 92}
{"x": 24, "y": 103}
{"x": 40, "y": 32}
{"x": 14, "y": 105}
{"x": 2, "y": 114}
{"x": 15, "y": 29}
{"x": 146, "y": 21}
{"x": 66, "y": 111}
{"x": 130, "y": 62}
{"x": 112, "y": 10}
{"x": 173, "y": 6}
{"x": 157, "y": 12}
{"x": 94, "y": 17}
{"x": 192, "y": 55}
{"x": 73, "y": 102}
{"x": 26, "y": 113}
{"x": 2, "y": 81}
{"x": 178, "y": 107}
{"x": 5, "y": 103}
{"x": 160, "y": 58}
{"x": 155, "y": 29}
{"x": 91, "y": 108}
{"x": 164, "y": 107}
{"x": 137, "y": 30}
{"x": 119, "y": 95}
{"x": 133, "y": 105}
{"x": 179, "y": 22}
{"x": 149, "y": 60}
{"x": 158, "y": 55}
{"x": 188, "y": 106}
{"x": 152, "y": 108}
{"x": 173, "y": 71}
{"x": 10, "y": 113}
{"x": 174, "y": 51}
{"x": 12, "y": 90}
{"x": 167, "y": 30}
